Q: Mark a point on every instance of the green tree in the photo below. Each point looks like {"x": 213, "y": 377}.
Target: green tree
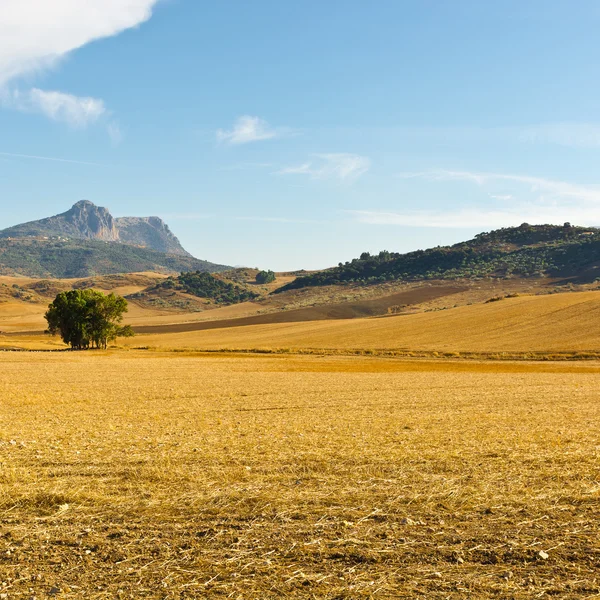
{"x": 87, "y": 318}
{"x": 265, "y": 277}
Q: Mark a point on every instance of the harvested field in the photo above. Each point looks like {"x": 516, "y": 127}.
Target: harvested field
{"x": 138, "y": 474}
{"x": 550, "y": 323}
{"x": 345, "y": 310}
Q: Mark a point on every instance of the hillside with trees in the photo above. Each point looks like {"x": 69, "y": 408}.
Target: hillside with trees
{"x": 525, "y": 251}
{"x": 73, "y": 258}
{"x": 201, "y": 285}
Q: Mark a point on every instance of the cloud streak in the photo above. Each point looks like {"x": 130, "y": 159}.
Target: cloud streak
{"x": 341, "y": 166}
{"x": 574, "y": 135}
{"x": 51, "y": 158}
{"x": 76, "y": 111}
{"x": 541, "y": 201}
{"x": 561, "y": 189}
{"x": 476, "y": 218}
{"x": 248, "y": 129}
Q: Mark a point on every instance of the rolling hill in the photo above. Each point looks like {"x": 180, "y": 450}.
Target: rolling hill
{"x": 528, "y": 251}
{"x": 547, "y": 323}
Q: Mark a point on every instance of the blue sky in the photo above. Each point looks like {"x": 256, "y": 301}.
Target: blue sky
{"x": 292, "y": 135}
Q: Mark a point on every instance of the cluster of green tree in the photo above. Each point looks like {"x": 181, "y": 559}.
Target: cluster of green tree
{"x": 525, "y": 251}
{"x": 529, "y": 235}
{"x": 81, "y": 258}
{"x": 87, "y": 318}
{"x": 265, "y": 277}
{"x": 205, "y": 285}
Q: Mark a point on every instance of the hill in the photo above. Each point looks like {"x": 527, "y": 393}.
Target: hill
{"x": 60, "y": 258}
{"x": 192, "y": 291}
{"x": 527, "y": 251}
{"x": 548, "y": 323}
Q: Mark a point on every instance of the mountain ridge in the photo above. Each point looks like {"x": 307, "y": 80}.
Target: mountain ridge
{"x": 87, "y": 221}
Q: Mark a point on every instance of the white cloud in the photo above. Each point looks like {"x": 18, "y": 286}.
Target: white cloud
{"x": 36, "y": 34}
{"x": 342, "y": 166}
{"x": 74, "y": 110}
{"x": 248, "y": 129}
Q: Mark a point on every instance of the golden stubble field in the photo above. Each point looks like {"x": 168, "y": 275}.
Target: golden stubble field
{"x": 138, "y": 474}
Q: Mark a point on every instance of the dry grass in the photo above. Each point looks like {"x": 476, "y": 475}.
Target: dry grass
{"x": 128, "y": 475}
{"x": 560, "y": 322}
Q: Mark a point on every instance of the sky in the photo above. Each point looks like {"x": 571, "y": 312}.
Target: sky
{"x": 288, "y": 135}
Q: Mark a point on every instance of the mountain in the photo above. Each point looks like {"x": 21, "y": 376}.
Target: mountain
{"x": 87, "y": 240}
{"x": 567, "y": 252}
{"x": 53, "y": 258}
{"x": 86, "y": 221}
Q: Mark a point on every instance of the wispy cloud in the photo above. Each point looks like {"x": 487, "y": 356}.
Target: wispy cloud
{"x": 575, "y": 135}
{"x": 561, "y": 189}
{"x": 51, "y": 158}
{"x": 248, "y": 129}
{"x": 278, "y": 220}
{"x": 341, "y": 166}
{"x": 37, "y": 34}
{"x": 534, "y": 200}
{"x": 185, "y": 216}
{"x": 114, "y": 133}
{"x": 480, "y": 218}
{"x": 247, "y": 166}
{"x": 76, "y": 111}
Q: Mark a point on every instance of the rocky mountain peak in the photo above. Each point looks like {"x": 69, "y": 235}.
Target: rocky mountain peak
{"x": 92, "y": 222}
{"x": 87, "y": 221}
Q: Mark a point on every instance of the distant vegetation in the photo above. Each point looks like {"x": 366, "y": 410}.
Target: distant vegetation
{"x": 56, "y": 258}
{"x": 205, "y": 285}
{"x": 265, "y": 277}
{"x": 525, "y": 251}
{"x": 87, "y": 318}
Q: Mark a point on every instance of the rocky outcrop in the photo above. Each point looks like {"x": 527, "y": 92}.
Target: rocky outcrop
{"x": 86, "y": 221}
{"x": 148, "y": 232}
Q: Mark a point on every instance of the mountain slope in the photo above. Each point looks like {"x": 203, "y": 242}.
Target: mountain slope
{"x": 87, "y": 240}
{"x": 86, "y": 221}
{"x": 525, "y": 251}
{"x": 148, "y": 232}
{"x": 34, "y": 257}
